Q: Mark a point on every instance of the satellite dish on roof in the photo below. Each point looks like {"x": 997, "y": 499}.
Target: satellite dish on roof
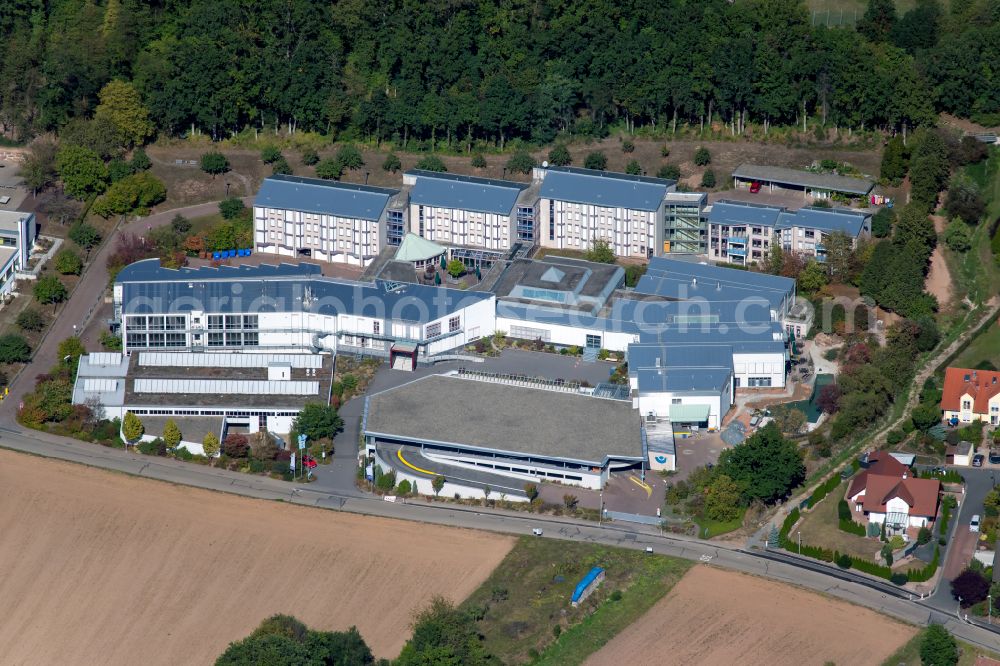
{"x": 545, "y": 164}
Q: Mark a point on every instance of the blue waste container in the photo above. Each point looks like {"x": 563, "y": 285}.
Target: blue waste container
{"x": 216, "y": 255}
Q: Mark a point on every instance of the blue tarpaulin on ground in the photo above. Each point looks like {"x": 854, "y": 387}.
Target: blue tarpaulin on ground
{"x": 582, "y": 586}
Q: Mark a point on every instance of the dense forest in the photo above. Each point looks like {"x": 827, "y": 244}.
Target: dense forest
{"x": 464, "y": 70}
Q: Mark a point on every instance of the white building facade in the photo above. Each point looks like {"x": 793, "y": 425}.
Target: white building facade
{"x": 743, "y": 233}
{"x": 578, "y": 207}
{"x": 326, "y": 220}
{"x": 468, "y": 211}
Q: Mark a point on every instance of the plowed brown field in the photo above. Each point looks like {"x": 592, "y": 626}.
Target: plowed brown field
{"x": 102, "y": 568}
{"x": 714, "y": 616}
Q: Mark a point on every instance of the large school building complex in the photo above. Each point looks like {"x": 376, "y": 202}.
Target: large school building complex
{"x": 252, "y": 344}
{"x": 246, "y": 345}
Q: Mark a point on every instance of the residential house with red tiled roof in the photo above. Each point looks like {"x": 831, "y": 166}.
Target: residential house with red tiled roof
{"x": 886, "y": 493}
{"x": 971, "y": 395}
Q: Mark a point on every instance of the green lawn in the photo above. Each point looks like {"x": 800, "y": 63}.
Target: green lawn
{"x": 982, "y": 349}
{"x": 909, "y": 654}
{"x": 528, "y": 594}
{"x": 206, "y": 222}
{"x": 708, "y": 528}
{"x": 821, "y": 527}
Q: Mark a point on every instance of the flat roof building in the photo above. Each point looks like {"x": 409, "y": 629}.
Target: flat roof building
{"x": 323, "y": 219}
{"x": 689, "y": 386}
{"x": 292, "y": 308}
{"x": 18, "y": 231}
{"x": 554, "y": 433}
{"x": 235, "y": 388}
{"x": 811, "y": 184}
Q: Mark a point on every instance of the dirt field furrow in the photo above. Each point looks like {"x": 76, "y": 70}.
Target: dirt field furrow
{"x": 714, "y": 616}
{"x": 103, "y": 568}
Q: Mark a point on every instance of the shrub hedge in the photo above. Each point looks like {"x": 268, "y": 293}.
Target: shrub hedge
{"x": 852, "y": 527}
{"x": 823, "y": 490}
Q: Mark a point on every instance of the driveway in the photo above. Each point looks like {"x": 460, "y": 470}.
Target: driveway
{"x": 962, "y": 543}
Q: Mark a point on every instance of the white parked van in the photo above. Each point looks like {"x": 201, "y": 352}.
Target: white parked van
{"x": 974, "y": 523}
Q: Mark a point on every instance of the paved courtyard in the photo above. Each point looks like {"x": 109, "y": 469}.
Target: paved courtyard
{"x": 696, "y": 451}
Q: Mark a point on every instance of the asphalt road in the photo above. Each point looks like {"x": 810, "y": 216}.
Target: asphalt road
{"x": 83, "y": 303}
{"x": 817, "y": 576}
{"x": 978, "y": 482}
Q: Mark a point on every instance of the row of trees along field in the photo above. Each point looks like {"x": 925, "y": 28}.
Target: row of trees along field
{"x": 480, "y": 70}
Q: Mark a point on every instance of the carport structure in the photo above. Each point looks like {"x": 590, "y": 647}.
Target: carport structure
{"x": 811, "y": 184}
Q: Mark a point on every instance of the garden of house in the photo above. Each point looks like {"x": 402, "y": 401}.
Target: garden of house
{"x": 827, "y": 530}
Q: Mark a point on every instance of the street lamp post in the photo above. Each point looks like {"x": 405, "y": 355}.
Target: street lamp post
{"x": 600, "y": 511}
{"x": 989, "y": 608}
{"x": 800, "y": 542}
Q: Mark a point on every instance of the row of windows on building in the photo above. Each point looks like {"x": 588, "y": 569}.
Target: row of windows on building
{"x": 155, "y": 340}
{"x": 134, "y": 340}
{"x": 227, "y": 331}
{"x": 156, "y": 323}
{"x": 179, "y": 322}
{"x": 208, "y": 412}
{"x": 434, "y": 330}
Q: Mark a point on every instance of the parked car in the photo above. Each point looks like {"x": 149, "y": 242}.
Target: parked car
{"x": 994, "y": 457}
{"x": 309, "y": 461}
{"x": 755, "y": 187}
{"x": 977, "y": 460}
{"x": 536, "y": 531}
{"x": 974, "y": 523}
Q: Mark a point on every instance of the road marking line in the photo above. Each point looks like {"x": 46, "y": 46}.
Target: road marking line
{"x": 399, "y": 454}
{"x": 645, "y": 486}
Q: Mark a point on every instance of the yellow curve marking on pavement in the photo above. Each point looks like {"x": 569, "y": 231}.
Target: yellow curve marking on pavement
{"x": 645, "y": 486}
{"x": 399, "y": 454}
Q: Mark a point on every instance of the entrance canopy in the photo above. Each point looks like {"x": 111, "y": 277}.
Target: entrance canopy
{"x": 689, "y": 413}
{"x": 418, "y": 250}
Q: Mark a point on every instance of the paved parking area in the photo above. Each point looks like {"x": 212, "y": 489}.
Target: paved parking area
{"x": 696, "y": 451}
{"x": 623, "y": 493}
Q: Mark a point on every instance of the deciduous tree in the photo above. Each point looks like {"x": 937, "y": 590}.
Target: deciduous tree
{"x": 596, "y": 160}
{"x": 68, "y": 262}
{"x": 560, "y": 156}
{"x": 121, "y": 104}
{"x": 82, "y": 171}
{"x": 723, "y": 501}
{"x": 171, "y": 433}
{"x": 601, "y": 252}
{"x": 31, "y": 319}
{"x": 132, "y": 428}
{"x": 317, "y": 421}
{"x": 210, "y": 444}
{"x": 766, "y": 466}
{"x": 214, "y": 162}
{"x": 48, "y": 289}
